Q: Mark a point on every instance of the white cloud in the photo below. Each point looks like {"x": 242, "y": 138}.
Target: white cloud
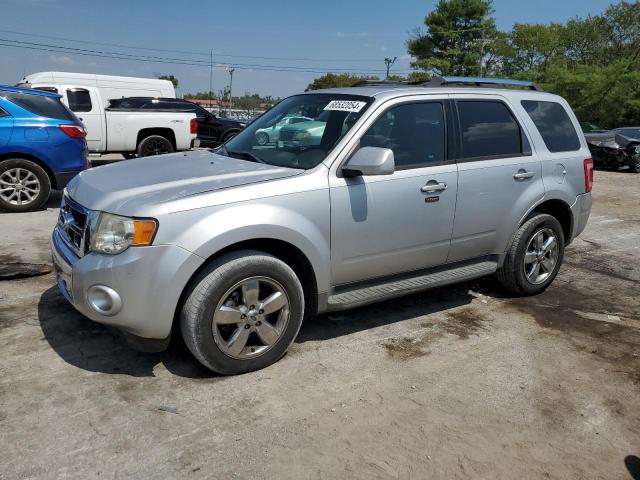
{"x": 61, "y": 59}
{"x": 406, "y": 56}
{"x": 383, "y": 49}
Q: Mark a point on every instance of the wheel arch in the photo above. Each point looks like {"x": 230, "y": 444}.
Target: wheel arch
{"x": 168, "y": 133}
{"x": 556, "y": 208}
{"x": 285, "y": 251}
{"x": 34, "y": 159}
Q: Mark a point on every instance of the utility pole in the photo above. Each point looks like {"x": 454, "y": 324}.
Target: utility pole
{"x": 211, "y": 80}
{"x": 388, "y": 62}
{"x": 231, "y": 70}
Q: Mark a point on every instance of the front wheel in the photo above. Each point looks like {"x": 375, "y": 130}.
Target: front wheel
{"x": 24, "y": 185}
{"x": 154, "y": 145}
{"x": 535, "y": 256}
{"x": 634, "y": 163}
{"x": 242, "y": 312}
{"x": 262, "y": 138}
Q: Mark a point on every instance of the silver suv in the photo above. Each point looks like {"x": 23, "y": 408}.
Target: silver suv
{"x": 388, "y": 189}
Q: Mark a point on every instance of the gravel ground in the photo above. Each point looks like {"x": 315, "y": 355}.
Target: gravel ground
{"x": 460, "y": 382}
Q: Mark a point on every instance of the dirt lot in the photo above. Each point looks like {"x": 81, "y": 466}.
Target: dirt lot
{"x": 459, "y": 382}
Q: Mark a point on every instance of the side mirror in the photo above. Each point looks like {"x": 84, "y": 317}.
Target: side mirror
{"x": 370, "y": 161}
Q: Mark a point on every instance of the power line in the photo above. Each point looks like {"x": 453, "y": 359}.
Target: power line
{"x": 172, "y": 60}
{"x": 189, "y": 52}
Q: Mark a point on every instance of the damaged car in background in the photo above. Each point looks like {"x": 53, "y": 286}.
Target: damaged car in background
{"x": 616, "y": 148}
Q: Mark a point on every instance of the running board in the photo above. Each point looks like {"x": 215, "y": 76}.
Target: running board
{"x": 356, "y": 297}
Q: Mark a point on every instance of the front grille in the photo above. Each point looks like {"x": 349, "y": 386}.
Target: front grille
{"x": 286, "y": 135}
{"x": 72, "y": 225}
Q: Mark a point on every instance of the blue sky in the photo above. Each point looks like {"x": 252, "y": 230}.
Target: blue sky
{"x": 320, "y": 35}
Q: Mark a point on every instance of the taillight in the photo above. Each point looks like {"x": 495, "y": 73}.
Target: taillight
{"x": 194, "y": 125}
{"x": 588, "y": 174}
{"x": 74, "y": 131}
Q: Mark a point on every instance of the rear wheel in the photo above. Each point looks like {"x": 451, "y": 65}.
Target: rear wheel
{"x": 24, "y": 185}
{"x": 228, "y": 136}
{"x": 242, "y": 312}
{"x": 535, "y": 256}
{"x": 154, "y": 145}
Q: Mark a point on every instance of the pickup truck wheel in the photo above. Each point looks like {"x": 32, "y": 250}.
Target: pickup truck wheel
{"x": 154, "y": 145}
{"x": 634, "y": 163}
{"x": 228, "y": 136}
{"x": 24, "y": 185}
{"x": 535, "y": 256}
{"x": 242, "y": 312}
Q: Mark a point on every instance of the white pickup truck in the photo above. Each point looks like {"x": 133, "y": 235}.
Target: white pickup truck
{"x": 128, "y": 132}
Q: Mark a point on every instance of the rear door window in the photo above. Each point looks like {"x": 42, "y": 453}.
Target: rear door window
{"x": 79, "y": 100}
{"x": 489, "y": 130}
{"x": 50, "y": 107}
{"x": 554, "y": 125}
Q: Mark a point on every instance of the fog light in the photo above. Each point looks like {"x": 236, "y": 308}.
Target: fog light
{"x": 104, "y": 300}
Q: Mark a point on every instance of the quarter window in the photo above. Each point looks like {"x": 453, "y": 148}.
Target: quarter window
{"x": 79, "y": 100}
{"x": 3, "y": 113}
{"x": 489, "y": 130}
{"x": 40, "y": 105}
{"x": 554, "y": 125}
{"x": 415, "y": 132}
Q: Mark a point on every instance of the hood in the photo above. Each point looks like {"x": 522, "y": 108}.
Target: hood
{"x": 129, "y": 187}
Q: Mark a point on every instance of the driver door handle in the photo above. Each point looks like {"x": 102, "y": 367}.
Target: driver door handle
{"x": 433, "y": 187}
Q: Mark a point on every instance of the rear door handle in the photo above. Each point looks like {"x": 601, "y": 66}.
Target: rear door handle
{"x": 523, "y": 174}
{"x": 432, "y": 187}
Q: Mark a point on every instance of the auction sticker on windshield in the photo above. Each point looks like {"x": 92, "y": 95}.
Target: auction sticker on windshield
{"x": 345, "y": 105}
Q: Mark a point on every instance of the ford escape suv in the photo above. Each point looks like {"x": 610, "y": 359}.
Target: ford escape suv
{"x": 410, "y": 187}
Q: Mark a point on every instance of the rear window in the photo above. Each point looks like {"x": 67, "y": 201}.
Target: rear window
{"x": 79, "y": 100}
{"x": 489, "y": 130}
{"x": 554, "y": 125}
{"x": 50, "y": 107}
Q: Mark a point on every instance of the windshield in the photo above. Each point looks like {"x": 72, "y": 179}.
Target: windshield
{"x": 299, "y": 132}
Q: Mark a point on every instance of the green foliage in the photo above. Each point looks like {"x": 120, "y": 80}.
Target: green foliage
{"x": 458, "y": 33}
{"x": 333, "y": 80}
{"x": 593, "y": 62}
{"x": 171, "y": 78}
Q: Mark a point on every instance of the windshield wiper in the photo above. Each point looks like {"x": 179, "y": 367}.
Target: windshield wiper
{"x": 245, "y": 156}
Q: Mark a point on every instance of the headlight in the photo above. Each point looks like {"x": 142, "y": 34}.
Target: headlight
{"x": 302, "y": 135}
{"x": 113, "y": 234}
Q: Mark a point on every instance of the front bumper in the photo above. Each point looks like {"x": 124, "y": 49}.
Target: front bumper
{"x": 580, "y": 212}
{"x": 148, "y": 280}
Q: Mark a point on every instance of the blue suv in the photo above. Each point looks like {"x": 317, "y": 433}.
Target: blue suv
{"x": 42, "y": 146}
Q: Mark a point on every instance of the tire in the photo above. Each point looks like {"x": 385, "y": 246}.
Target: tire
{"x": 220, "y": 289}
{"x": 154, "y": 145}
{"x": 634, "y": 163}
{"x": 228, "y": 136}
{"x": 24, "y": 185}
{"x": 262, "y": 138}
{"x": 519, "y": 277}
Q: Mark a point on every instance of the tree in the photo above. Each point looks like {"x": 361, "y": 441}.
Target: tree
{"x": 171, "y": 78}
{"x": 332, "y": 80}
{"x": 459, "y": 32}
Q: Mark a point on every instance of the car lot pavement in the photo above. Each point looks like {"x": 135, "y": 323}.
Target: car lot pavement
{"x": 460, "y": 382}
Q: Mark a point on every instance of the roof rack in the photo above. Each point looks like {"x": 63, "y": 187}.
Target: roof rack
{"x": 480, "y": 82}
{"x": 362, "y": 83}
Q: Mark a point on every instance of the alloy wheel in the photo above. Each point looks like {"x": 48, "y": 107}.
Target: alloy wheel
{"x": 541, "y": 256}
{"x": 19, "y": 186}
{"x": 251, "y": 317}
